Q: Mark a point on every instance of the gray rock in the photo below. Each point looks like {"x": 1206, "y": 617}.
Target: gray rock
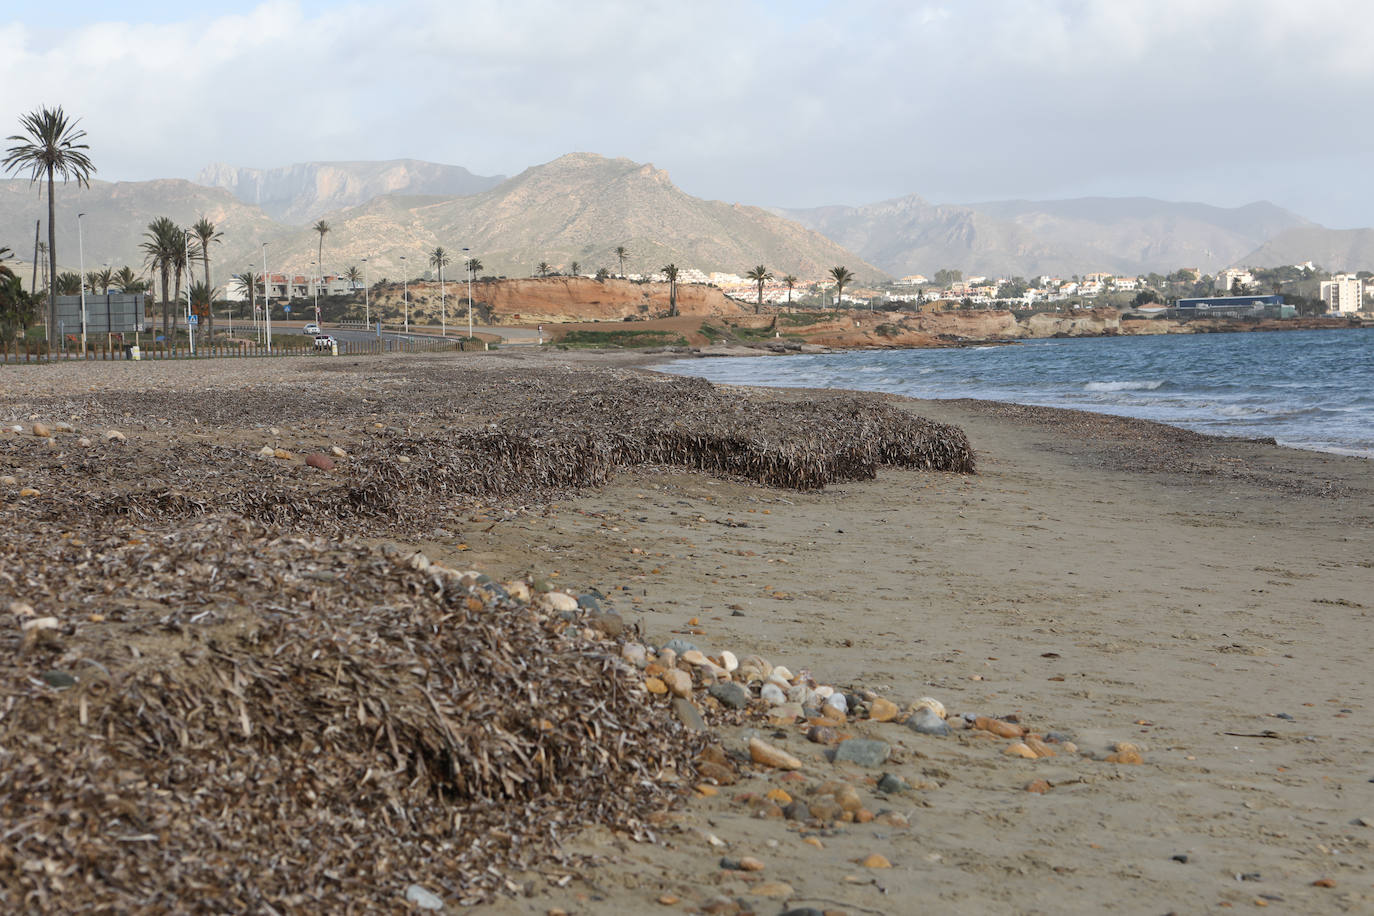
{"x": 423, "y": 899}
{"x": 59, "y": 679}
{"x": 688, "y": 714}
{"x": 588, "y": 602}
{"x": 926, "y": 722}
{"x": 680, "y": 646}
{"x": 731, "y": 694}
{"x": 773, "y": 694}
{"x": 891, "y": 783}
{"x": 804, "y": 911}
{"x": 866, "y": 752}
{"x": 608, "y": 622}
{"x": 798, "y": 810}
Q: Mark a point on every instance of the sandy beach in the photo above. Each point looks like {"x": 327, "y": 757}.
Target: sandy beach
{"x": 1208, "y": 601}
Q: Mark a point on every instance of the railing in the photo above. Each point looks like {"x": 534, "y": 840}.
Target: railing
{"x": 26, "y": 351}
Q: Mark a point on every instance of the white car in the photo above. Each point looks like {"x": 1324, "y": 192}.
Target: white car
{"x": 324, "y": 342}
{"x": 311, "y": 329}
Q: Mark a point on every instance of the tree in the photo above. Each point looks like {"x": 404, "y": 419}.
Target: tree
{"x": 791, "y": 282}
{"x": 473, "y": 265}
{"x": 127, "y": 280}
{"x": 671, "y": 273}
{"x": 17, "y": 307}
{"x": 841, "y": 276}
{"x": 575, "y": 269}
{"x": 50, "y": 145}
{"x": 543, "y": 268}
{"x": 945, "y": 277}
{"x": 68, "y": 283}
{"x": 323, "y": 229}
{"x": 759, "y": 275}
{"x": 202, "y": 298}
{"x": 354, "y": 276}
{"x": 247, "y": 284}
{"x": 622, "y": 253}
{"x": 204, "y": 233}
{"x": 105, "y": 279}
{"x": 159, "y": 249}
{"x": 181, "y": 264}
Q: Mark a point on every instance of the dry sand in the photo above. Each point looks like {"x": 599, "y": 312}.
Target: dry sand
{"x": 1108, "y": 579}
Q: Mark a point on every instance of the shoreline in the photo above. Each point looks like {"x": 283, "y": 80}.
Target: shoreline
{"x": 1109, "y": 579}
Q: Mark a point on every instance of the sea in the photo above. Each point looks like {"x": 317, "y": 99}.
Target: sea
{"x": 1305, "y": 389}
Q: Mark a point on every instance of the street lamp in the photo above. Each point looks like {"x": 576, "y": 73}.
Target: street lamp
{"x": 405, "y": 293}
{"x": 81, "y": 253}
{"x": 266, "y": 299}
{"x": 469, "y": 266}
{"x": 367, "y": 308}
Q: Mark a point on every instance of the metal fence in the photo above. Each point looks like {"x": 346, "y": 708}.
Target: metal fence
{"x": 112, "y": 347}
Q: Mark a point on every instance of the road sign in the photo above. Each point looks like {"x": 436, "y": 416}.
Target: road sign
{"x": 193, "y": 319}
{"x": 288, "y": 309}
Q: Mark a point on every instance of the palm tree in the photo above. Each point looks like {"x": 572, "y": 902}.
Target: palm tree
{"x": 185, "y": 253}
{"x": 204, "y": 232}
{"x": 50, "y": 146}
{"x": 841, "y": 275}
{"x": 126, "y": 280}
{"x": 439, "y": 258}
{"x": 68, "y": 283}
{"x": 622, "y": 253}
{"x": 202, "y": 298}
{"x": 159, "y": 248}
{"x": 791, "y": 282}
{"x": 354, "y": 276}
{"x": 759, "y": 275}
{"x": 543, "y": 268}
{"x": 575, "y": 269}
{"x": 105, "y": 279}
{"x": 473, "y": 265}
{"x": 247, "y": 284}
{"x": 670, "y": 272}
{"x": 323, "y": 229}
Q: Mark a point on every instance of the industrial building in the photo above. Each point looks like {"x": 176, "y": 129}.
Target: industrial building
{"x": 1234, "y": 307}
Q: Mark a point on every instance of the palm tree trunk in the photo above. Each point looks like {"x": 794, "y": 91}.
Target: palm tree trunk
{"x": 52, "y": 265}
{"x": 210, "y": 308}
{"x": 165, "y": 316}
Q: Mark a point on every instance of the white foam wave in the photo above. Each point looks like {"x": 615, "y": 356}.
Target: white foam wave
{"x": 1123, "y": 386}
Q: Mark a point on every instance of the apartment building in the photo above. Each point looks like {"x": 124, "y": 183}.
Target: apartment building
{"x": 1343, "y": 294}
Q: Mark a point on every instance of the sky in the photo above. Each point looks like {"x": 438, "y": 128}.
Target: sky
{"x": 768, "y": 102}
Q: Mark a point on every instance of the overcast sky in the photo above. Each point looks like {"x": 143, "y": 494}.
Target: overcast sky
{"x": 781, "y": 103}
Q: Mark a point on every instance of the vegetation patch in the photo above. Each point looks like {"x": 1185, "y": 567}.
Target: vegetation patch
{"x": 797, "y": 319}
{"x": 622, "y": 339}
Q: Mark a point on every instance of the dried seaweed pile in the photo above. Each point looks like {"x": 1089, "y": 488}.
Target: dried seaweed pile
{"x": 228, "y": 721}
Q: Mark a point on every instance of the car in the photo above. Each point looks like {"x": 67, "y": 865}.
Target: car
{"x": 311, "y": 328}
{"x": 324, "y": 342}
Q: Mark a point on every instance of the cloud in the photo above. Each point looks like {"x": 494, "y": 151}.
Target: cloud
{"x": 776, "y": 103}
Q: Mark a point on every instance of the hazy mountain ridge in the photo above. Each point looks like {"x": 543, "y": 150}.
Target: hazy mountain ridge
{"x": 1125, "y": 235}
{"x": 1333, "y": 249}
{"x": 303, "y": 192}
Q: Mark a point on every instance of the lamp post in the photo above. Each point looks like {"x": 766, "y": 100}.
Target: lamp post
{"x": 266, "y": 299}
{"x": 443, "y": 304}
{"x": 81, "y": 253}
{"x": 367, "y": 308}
{"x": 405, "y": 294}
{"x": 469, "y": 266}
{"x": 318, "y": 270}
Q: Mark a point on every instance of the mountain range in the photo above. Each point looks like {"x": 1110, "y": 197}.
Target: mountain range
{"x": 581, "y": 207}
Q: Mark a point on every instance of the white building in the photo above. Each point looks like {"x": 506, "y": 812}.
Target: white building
{"x": 1343, "y": 294}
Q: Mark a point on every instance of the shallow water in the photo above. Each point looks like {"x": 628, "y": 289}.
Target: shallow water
{"x": 1307, "y": 389}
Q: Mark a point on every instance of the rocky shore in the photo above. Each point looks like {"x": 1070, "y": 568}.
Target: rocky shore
{"x": 421, "y": 632}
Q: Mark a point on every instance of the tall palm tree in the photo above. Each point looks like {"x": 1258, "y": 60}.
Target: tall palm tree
{"x": 202, "y": 299}
{"x": 68, "y": 283}
{"x": 323, "y": 229}
{"x": 759, "y": 275}
{"x": 50, "y": 145}
{"x": 126, "y": 280}
{"x": 791, "y": 282}
{"x": 841, "y": 276}
{"x": 575, "y": 269}
{"x": 670, "y": 271}
{"x": 622, "y": 253}
{"x": 105, "y": 279}
{"x": 159, "y": 246}
{"x": 439, "y": 259}
{"x": 543, "y": 268}
{"x": 354, "y": 276}
{"x": 186, "y": 252}
{"x": 473, "y": 265}
{"x": 247, "y": 284}
{"x": 205, "y": 233}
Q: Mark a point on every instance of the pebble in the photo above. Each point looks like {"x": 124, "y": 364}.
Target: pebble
{"x": 655, "y": 686}
{"x": 837, "y": 702}
{"x": 635, "y": 654}
{"x": 559, "y": 602}
{"x": 825, "y": 809}
{"x": 608, "y": 622}
{"x": 319, "y": 460}
{"x": 731, "y": 694}
{"x": 1181, "y": 858}
{"x": 781, "y": 673}
{"x": 30, "y": 491}
{"x": 59, "y": 680}
{"x": 729, "y": 662}
{"x": 773, "y": 694}
{"x": 688, "y": 714}
{"x": 1041, "y": 748}
{"x": 883, "y": 710}
{"x": 521, "y": 591}
{"x": 282, "y": 454}
{"x": 998, "y": 727}
{"x": 679, "y": 646}
{"x": 797, "y": 811}
{"x": 114, "y": 435}
{"x": 267, "y": 451}
{"x": 927, "y": 722}
{"x": 799, "y": 694}
{"x": 866, "y": 752}
{"x": 337, "y": 452}
{"x": 678, "y": 682}
{"x": 766, "y": 755}
{"x": 891, "y": 783}
{"x": 772, "y": 889}
{"x": 803, "y": 911}
{"x": 1038, "y": 786}
{"x": 1020, "y": 750}
{"x": 423, "y": 899}
{"x": 41, "y": 431}
{"x": 84, "y": 442}
{"x": 875, "y": 860}
{"x": 9, "y": 481}
{"x": 847, "y": 797}
{"x": 822, "y": 734}
{"x": 933, "y": 705}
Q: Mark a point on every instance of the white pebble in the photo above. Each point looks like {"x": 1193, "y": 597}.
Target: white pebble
{"x": 728, "y": 661}
{"x": 837, "y": 701}
{"x": 773, "y": 694}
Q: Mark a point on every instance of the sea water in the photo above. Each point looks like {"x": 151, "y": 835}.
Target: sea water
{"x": 1306, "y": 389}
